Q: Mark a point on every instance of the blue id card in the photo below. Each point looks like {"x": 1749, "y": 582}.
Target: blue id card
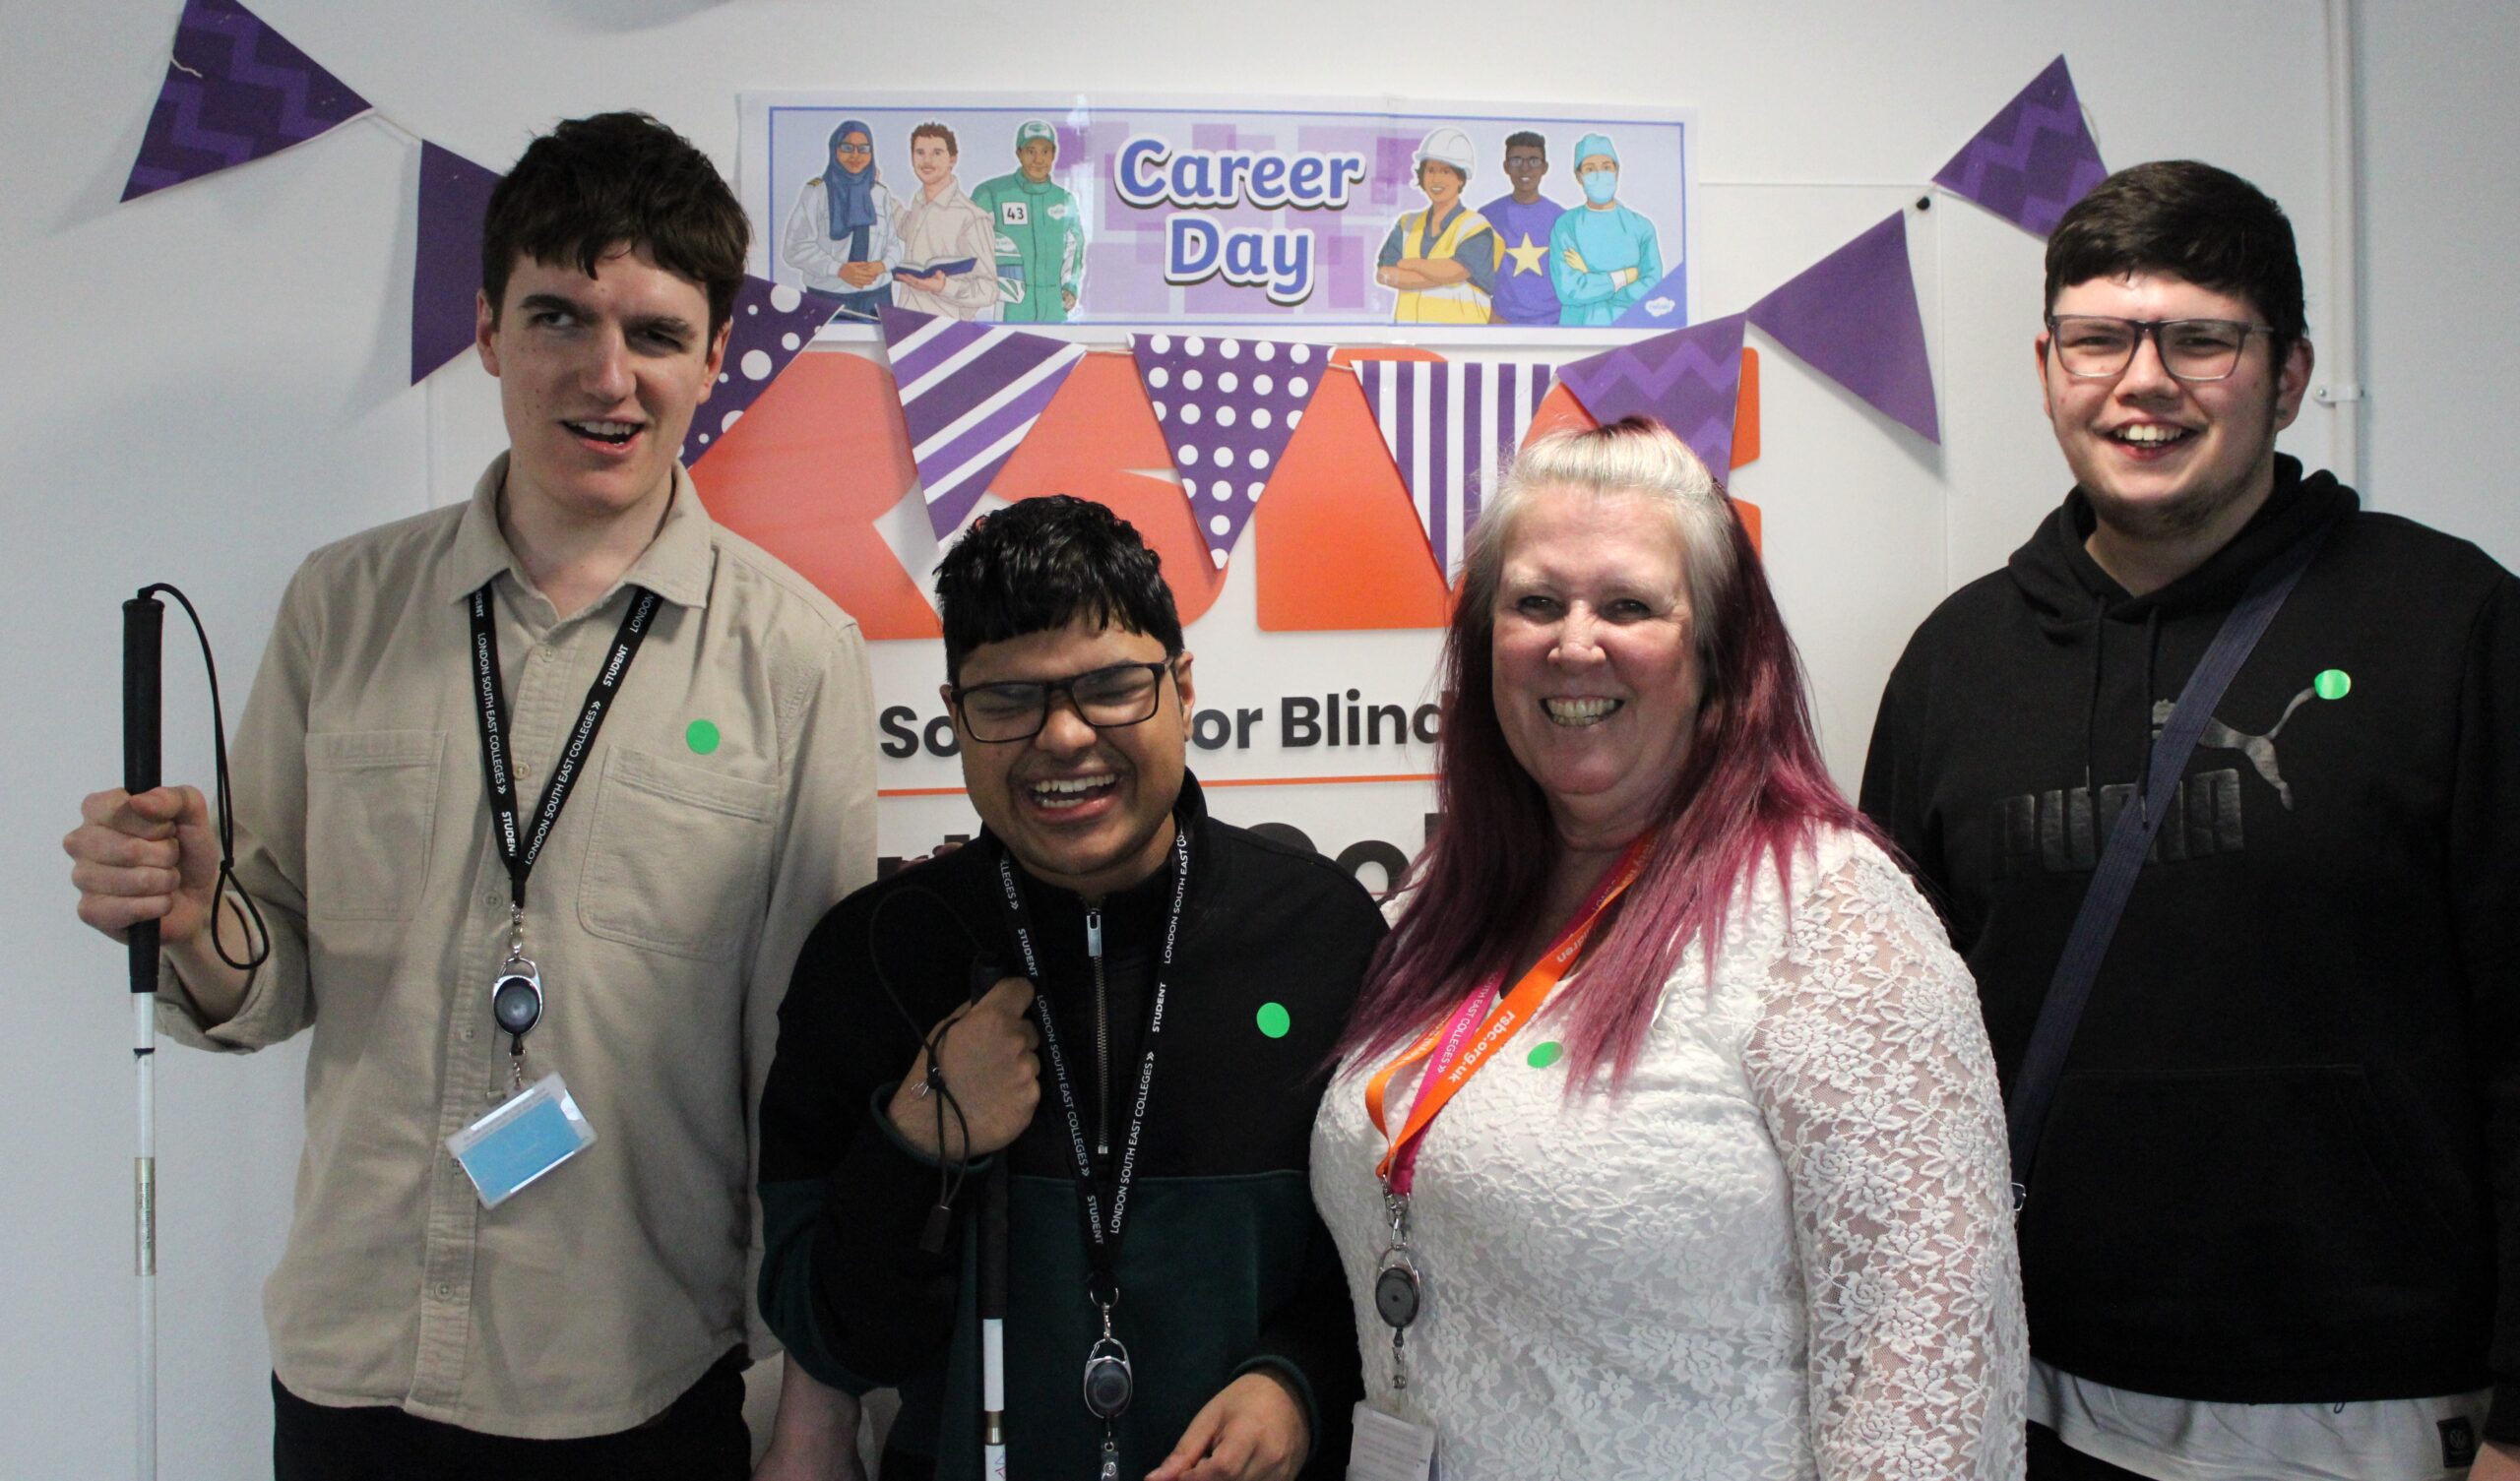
{"x": 528, "y": 1135}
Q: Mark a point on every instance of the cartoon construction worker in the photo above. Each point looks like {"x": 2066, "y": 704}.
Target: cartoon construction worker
{"x": 1040, "y": 229}
{"x": 1522, "y": 220}
{"x": 1603, "y": 257}
{"x": 1441, "y": 260}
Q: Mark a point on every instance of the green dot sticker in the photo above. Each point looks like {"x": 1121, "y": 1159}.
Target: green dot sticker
{"x": 1274, "y": 1019}
{"x": 2333, "y": 684}
{"x": 1544, "y": 1055}
{"x": 701, "y": 736}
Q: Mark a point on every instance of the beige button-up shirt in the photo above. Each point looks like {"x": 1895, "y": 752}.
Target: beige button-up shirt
{"x": 726, "y": 803}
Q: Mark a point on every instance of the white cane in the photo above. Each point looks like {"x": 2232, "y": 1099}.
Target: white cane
{"x": 992, "y": 1314}
{"x": 143, "y": 621}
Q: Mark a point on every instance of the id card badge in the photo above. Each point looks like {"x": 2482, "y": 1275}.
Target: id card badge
{"x": 531, "y": 1133}
{"x": 1387, "y": 1447}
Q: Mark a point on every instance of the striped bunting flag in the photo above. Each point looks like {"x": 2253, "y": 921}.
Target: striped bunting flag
{"x": 1452, "y": 428}
{"x": 969, "y": 393}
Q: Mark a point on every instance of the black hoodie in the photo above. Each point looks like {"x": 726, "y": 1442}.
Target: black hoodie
{"x": 2284, "y": 1161}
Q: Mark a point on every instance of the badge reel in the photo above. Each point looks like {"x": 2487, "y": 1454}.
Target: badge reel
{"x": 1396, "y": 1293}
{"x": 1383, "y": 1445}
{"x": 1109, "y": 1384}
{"x": 516, "y": 998}
{"x": 537, "y": 1128}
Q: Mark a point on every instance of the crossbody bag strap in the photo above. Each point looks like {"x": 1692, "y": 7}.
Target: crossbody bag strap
{"x": 2061, "y": 1012}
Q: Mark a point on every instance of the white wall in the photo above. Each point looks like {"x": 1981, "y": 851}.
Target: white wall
{"x": 204, "y": 383}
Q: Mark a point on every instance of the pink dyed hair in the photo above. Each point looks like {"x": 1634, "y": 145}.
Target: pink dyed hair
{"x": 1752, "y": 788}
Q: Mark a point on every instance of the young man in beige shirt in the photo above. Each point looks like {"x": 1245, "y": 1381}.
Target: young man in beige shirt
{"x": 570, "y": 732}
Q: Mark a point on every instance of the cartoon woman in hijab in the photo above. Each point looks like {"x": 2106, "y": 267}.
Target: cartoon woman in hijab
{"x": 842, "y": 233}
{"x": 1602, "y": 256}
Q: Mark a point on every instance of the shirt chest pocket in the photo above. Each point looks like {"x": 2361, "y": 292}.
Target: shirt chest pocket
{"x": 371, "y": 814}
{"x": 679, "y": 857}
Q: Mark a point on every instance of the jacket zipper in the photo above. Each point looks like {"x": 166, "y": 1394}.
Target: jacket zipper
{"x": 1101, "y": 1035}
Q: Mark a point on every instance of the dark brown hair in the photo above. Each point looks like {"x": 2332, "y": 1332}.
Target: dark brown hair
{"x": 2192, "y": 221}
{"x": 595, "y": 185}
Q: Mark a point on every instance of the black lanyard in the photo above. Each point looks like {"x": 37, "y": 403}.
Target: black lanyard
{"x": 1101, "y": 1233}
{"x": 515, "y": 849}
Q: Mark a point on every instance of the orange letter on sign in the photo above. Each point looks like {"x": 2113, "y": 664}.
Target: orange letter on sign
{"x": 814, "y": 464}
{"x": 1335, "y": 539}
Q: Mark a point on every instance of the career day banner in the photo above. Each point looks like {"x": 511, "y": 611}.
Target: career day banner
{"x": 1047, "y": 210}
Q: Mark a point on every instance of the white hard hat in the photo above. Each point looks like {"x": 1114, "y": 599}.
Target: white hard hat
{"x": 1449, "y": 145}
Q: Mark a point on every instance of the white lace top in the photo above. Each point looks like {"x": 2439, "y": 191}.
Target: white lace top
{"x": 1783, "y": 1250}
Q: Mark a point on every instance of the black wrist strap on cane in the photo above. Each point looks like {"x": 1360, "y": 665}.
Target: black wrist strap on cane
{"x": 258, "y": 946}
{"x": 952, "y": 1166}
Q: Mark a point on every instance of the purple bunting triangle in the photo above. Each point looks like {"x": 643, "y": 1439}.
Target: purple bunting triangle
{"x": 1689, "y": 380}
{"x": 1226, "y": 408}
{"x": 446, "y": 265}
{"x": 2032, "y": 159}
{"x": 772, "y": 322}
{"x": 1452, "y": 430}
{"x": 1852, "y": 317}
{"x": 235, "y": 90}
{"x": 970, "y": 394}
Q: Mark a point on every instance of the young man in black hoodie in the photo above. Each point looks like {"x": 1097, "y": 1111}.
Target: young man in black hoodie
{"x": 2273, "y": 1229}
{"x": 1131, "y": 1005}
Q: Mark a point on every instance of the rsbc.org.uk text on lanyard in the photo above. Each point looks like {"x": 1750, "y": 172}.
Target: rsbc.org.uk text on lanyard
{"x": 1453, "y": 1069}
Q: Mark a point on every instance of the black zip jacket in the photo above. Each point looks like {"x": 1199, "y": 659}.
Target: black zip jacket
{"x": 1225, "y": 1267}
{"x": 2283, "y": 1163}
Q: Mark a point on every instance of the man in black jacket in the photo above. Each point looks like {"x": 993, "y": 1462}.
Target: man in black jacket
{"x": 1166, "y": 986}
{"x": 2273, "y": 1229}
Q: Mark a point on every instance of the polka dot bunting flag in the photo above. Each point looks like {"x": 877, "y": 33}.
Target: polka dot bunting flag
{"x": 772, "y": 323}
{"x": 1227, "y": 408}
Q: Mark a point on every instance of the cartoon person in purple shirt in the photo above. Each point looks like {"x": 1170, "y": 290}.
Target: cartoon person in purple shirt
{"x": 1522, "y": 222}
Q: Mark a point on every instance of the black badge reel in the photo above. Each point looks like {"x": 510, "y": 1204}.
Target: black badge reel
{"x": 1396, "y": 1290}
{"x": 515, "y": 997}
{"x": 1109, "y": 1383}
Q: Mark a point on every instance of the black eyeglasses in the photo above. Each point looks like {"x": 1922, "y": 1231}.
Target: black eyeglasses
{"x": 1014, "y": 710}
{"x": 2093, "y": 347}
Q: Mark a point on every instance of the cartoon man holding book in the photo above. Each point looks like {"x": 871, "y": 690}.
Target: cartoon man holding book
{"x": 949, "y": 254}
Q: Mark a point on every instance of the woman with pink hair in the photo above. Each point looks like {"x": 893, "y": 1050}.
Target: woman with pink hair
{"x": 1667, "y": 1142}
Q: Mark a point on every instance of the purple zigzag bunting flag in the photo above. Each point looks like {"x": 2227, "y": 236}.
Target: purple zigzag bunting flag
{"x": 446, "y": 266}
{"x": 2032, "y": 159}
{"x": 969, "y": 393}
{"x": 235, "y": 90}
{"x": 1452, "y": 429}
{"x": 771, "y": 323}
{"x": 1227, "y": 406}
{"x": 1852, "y": 317}
{"x": 1690, "y": 380}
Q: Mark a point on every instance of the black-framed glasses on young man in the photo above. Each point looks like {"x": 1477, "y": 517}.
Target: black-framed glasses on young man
{"x": 2093, "y": 347}
{"x": 1014, "y": 710}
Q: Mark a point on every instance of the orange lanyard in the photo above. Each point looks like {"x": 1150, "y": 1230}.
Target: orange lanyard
{"x": 1453, "y": 1071}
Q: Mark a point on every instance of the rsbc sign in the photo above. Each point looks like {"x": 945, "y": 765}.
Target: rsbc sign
{"x": 1334, "y": 545}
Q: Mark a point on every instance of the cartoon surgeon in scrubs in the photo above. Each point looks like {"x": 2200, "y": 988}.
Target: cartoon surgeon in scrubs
{"x": 1603, "y": 257}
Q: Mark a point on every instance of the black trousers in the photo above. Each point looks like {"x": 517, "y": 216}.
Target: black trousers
{"x": 2052, "y": 1459}
{"x": 701, "y": 1437}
